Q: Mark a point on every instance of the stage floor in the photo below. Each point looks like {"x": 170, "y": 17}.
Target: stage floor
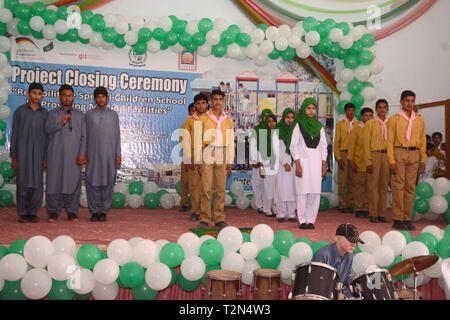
{"x": 170, "y": 224}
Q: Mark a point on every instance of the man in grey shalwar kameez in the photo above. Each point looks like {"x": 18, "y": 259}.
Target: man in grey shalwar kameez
{"x": 28, "y": 154}
{"x": 66, "y": 153}
{"x": 103, "y": 153}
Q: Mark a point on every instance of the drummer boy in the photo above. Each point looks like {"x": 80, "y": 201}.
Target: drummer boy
{"x": 339, "y": 255}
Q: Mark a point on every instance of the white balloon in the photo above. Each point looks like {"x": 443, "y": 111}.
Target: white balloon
{"x": 298, "y": 31}
{"x": 272, "y": 33}
{"x": 193, "y": 268}
{"x": 150, "y": 187}
{"x": 192, "y": 27}
{"x": 253, "y": 204}
{"x": 146, "y": 253}
{"x": 336, "y": 35}
{"x": 161, "y": 243}
{"x": 158, "y": 276}
{"x": 376, "y": 66}
{"x": 231, "y": 239}
{"x": 262, "y": 236}
{"x": 52, "y": 7}
{"x": 96, "y": 39}
{"x": 369, "y": 94}
{"x": 371, "y": 241}
{"x": 303, "y": 51}
{"x": 246, "y": 28}
{"x": 60, "y": 25}
{"x": 37, "y": 251}
{"x": 36, "y": 284}
{"x": 120, "y": 251}
{"x": 334, "y": 200}
{"x": 206, "y": 237}
{"x": 135, "y": 241}
{"x": 204, "y": 50}
{"x": 312, "y": 38}
{"x": 441, "y": 186}
{"x": 221, "y": 24}
{"x": 190, "y": 244}
{"x": 13, "y": 267}
{"x": 85, "y": 282}
{"x": 347, "y": 75}
{"x": 417, "y": 217}
{"x": 257, "y": 36}
{"x": 395, "y": 240}
{"x": 137, "y": 23}
{"x": 346, "y": 42}
{"x": 345, "y": 95}
{"x": 6, "y": 15}
{"x": 430, "y": 216}
{"x": 135, "y": 201}
{"x": 249, "y": 251}
{"x": 49, "y": 32}
{"x": 105, "y": 292}
{"x": 435, "y": 270}
{"x": 261, "y": 60}
{"x": 165, "y": 23}
{"x": 421, "y": 279}
{"x": 154, "y": 46}
{"x": 362, "y": 73}
{"x": 284, "y": 31}
{"x": 414, "y": 249}
{"x": 436, "y": 231}
{"x": 106, "y": 271}
{"x": 86, "y": 31}
{"x": 248, "y": 271}
{"x": 233, "y": 50}
{"x": 228, "y": 200}
{"x": 286, "y": 268}
{"x": 252, "y": 51}
{"x": 213, "y": 37}
{"x": 294, "y": 41}
{"x": 266, "y": 47}
{"x": 242, "y": 202}
{"x": 167, "y": 201}
{"x": 300, "y": 253}
{"x": 121, "y": 27}
{"x": 281, "y": 43}
{"x": 5, "y": 112}
{"x": 384, "y": 256}
{"x": 355, "y": 33}
{"x": 233, "y": 261}
{"x": 131, "y": 37}
{"x": 83, "y": 200}
{"x": 60, "y": 266}
{"x": 362, "y": 261}
{"x": 110, "y": 20}
{"x": 438, "y": 204}
{"x": 64, "y": 244}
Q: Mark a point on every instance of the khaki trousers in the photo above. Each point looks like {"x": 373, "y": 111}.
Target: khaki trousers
{"x": 345, "y": 199}
{"x": 184, "y": 186}
{"x": 359, "y": 187}
{"x": 377, "y": 183}
{"x": 403, "y": 183}
{"x": 195, "y": 189}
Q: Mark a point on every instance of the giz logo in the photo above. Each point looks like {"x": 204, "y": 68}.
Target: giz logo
{"x": 82, "y": 56}
{"x": 74, "y": 280}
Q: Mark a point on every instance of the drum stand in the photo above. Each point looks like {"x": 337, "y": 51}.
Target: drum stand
{"x": 416, "y": 274}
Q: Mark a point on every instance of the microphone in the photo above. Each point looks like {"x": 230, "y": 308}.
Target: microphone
{"x": 69, "y": 120}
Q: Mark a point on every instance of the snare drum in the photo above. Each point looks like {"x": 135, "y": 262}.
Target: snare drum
{"x": 373, "y": 285}
{"x": 266, "y": 284}
{"x": 315, "y": 281}
{"x": 223, "y": 285}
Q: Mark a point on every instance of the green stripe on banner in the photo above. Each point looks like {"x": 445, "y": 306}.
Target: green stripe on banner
{"x": 305, "y": 7}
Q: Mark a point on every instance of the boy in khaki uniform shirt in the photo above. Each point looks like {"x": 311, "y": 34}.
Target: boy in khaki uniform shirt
{"x": 184, "y": 175}
{"x": 201, "y": 106}
{"x": 406, "y": 155}
{"x": 343, "y": 129}
{"x": 358, "y": 165}
{"x": 375, "y": 154}
{"x": 217, "y": 158}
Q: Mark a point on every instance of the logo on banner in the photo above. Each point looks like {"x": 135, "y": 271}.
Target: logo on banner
{"x": 137, "y": 60}
{"x": 26, "y": 48}
{"x": 49, "y": 47}
{"x": 187, "y": 60}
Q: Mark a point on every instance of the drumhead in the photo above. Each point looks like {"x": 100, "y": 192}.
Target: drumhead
{"x": 267, "y": 272}
{"x": 356, "y": 276}
{"x": 319, "y": 264}
{"x": 223, "y": 275}
{"x": 309, "y": 297}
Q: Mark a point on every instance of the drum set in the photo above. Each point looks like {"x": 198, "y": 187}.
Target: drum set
{"x": 319, "y": 281}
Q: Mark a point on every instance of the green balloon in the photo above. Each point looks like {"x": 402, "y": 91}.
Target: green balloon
{"x": 367, "y": 40}
{"x": 245, "y": 237}
{"x": 366, "y": 84}
{"x": 119, "y": 282}
{"x": 97, "y": 23}
{"x": 351, "y": 62}
{"x": 83, "y": 296}
{"x": 88, "y": 255}
{"x": 37, "y": 35}
{"x": 323, "y": 30}
{"x": 233, "y": 198}
{"x": 341, "y": 106}
{"x": 198, "y": 39}
{"x": 205, "y": 25}
{"x": 187, "y": 285}
{"x": 365, "y": 57}
{"x": 356, "y": 251}
{"x": 424, "y": 190}
{"x": 140, "y": 47}
{"x": 72, "y": 35}
{"x": 22, "y": 11}
{"x": 50, "y": 16}
{"x": 119, "y": 42}
{"x": 173, "y": 18}
{"x": 164, "y": 45}
{"x": 358, "y": 101}
{"x": 136, "y": 187}
{"x": 446, "y": 215}
{"x": 11, "y": 4}
{"x": 275, "y": 54}
{"x": 144, "y": 292}
{"x": 118, "y": 200}
{"x": 227, "y": 37}
{"x": 318, "y": 49}
{"x": 309, "y": 24}
{"x": 2, "y": 125}
{"x": 105, "y": 255}
{"x": 174, "y": 277}
{"x": 334, "y": 50}
{"x": 6, "y": 198}
{"x": 151, "y": 201}
{"x": 408, "y": 236}
{"x": 178, "y": 187}
{"x": 62, "y": 13}
{"x": 429, "y": 240}
{"x": 234, "y": 29}
{"x": 211, "y": 251}
{"x": 354, "y": 86}
{"x": 86, "y": 16}
{"x": 191, "y": 47}
{"x": 6, "y": 170}
{"x": 171, "y": 254}
{"x": 17, "y": 246}
{"x": 179, "y": 26}
{"x": 171, "y": 38}
{"x": 262, "y": 26}
{"x": 109, "y": 35}
{"x": 283, "y": 241}
{"x": 209, "y": 268}
{"x": 443, "y": 248}
{"x": 38, "y": 9}
{"x": 305, "y": 240}
{"x": 243, "y": 40}
{"x": 341, "y": 53}
{"x": 24, "y": 27}
{"x": 319, "y": 244}
{"x": 62, "y": 37}
{"x": 184, "y": 39}
{"x": 12, "y": 290}
{"x": 345, "y": 27}
{"x": 421, "y": 206}
{"x": 324, "y": 203}
{"x": 269, "y": 258}
{"x": 288, "y": 54}
{"x": 3, "y": 252}
{"x": 144, "y": 34}
{"x": 132, "y": 275}
{"x": 330, "y": 23}
{"x": 159, "y": 34}
{"x": 356, "y": 49}
{"x": 3, "y": 140}
{"x": 161, "y": 192}
{"x": 447, "y": 231}
{"x": 60, "y": 291}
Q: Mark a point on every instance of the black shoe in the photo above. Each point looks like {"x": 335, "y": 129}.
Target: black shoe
{"x": 94, "y": 217}
{"x": 202, "y": 225}
{"x": 72, "y": 217}
{"x": 374, "y": 220}
{"x": 350, "y": 210}
{"x": 366, "y": 214}
{"x": 382, "y": 219}
{"x": 23, "y": 219}
{"x": 221, "y": 224}
{"x": 409, "y": 225}
{"x": 193, "y": 217}
{"x": 343, "y": 210}
{"x": 399, "y": 225}
{"x": 102, "y": 217}
{"x": 33, "y": 219}
{"x": 281, "y": 220}
{"x": 359, "y": 214}
{"x": 311, "y": 226}
{"x": 184, "y": 209}
{"x": 52, "y": 217}
{"x": 260, "y": 211}
{"x": 292, "y": 220}
{"x": 303, "y": 226}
